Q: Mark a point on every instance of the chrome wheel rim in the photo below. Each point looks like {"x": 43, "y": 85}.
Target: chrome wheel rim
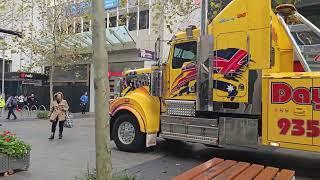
{"x": 126, "y": 133}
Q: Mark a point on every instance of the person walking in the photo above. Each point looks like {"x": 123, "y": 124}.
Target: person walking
{"x": 83, "y": 102}
{"x": 11, "y": 105}
{"x": 21, "y": 101}
{"x": 31, "y": 101}
{"x": 58, "y": 114}
{"x": 2, "y": 105}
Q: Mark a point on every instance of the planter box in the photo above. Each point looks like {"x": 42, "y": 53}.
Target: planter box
{"x": 4, "y": 163}
{"x": 8, "y": 163}
{"x": 20, "y": 163}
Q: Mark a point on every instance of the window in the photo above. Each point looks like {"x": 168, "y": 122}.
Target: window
{"x": 78, "y": 27}
{"x": 70, "y": 29}
{"x": 122, "y": 20}
{"x": 113, "y": 21}
{"x": 144, "y": 19}
{"x": 184, "y": 52}
{"x": 132, "y": 21}
{"x": 86, "y": 26}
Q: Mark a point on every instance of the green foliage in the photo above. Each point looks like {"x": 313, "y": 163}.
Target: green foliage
{"x": 170, "y": 12}
{"x": 12, "y": 145}
{"x": 42, "y": 114}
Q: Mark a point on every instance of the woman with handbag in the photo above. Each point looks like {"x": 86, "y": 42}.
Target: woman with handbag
{"x": 58, "y": 114}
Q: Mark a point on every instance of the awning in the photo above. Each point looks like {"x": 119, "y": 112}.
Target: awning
{"x": 117, "y": 38}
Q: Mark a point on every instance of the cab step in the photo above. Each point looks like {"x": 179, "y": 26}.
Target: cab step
{"x": 191, "y": 129}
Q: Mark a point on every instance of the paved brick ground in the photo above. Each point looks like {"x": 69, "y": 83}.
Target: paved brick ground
{"x": 67, "y": 158}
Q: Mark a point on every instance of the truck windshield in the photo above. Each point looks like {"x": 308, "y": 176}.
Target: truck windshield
{"x": 184, "y": 52}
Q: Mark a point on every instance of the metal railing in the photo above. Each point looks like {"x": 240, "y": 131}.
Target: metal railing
{"x": 27, "y": 112}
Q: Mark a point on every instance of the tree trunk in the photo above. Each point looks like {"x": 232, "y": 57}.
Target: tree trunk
{"x": 51, "y": 84}
{"x": 102, "y": 92}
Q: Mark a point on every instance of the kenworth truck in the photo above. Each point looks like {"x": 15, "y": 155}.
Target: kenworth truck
{"x": 230, "y": 83}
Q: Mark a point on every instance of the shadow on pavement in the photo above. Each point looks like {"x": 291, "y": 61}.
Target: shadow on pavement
{"x": 181, "y": 156}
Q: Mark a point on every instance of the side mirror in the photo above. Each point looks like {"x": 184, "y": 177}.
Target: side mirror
{"x": 157, "y": 51}
{"x": 156, "y": 83}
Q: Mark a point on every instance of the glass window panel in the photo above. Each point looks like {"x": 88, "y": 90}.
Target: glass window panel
{"x": 132, "y": 21}
{"x": 144, "y": 19}
{"x": 86, "y": 26}
{"x": 122, "y": 20}
{"x": 113, "y": 21}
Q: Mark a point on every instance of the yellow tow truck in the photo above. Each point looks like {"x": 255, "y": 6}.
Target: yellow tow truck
{"x": 232, "y": 82}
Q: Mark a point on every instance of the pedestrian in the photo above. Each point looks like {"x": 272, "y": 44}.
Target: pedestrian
{"x": 83, "y": 102}
{"x": 32, "y": 101}
{"x": 25, "y": 100}
{"x": 17, "y": 103}
{"x": 2, "y": 105}
{"x": 11, "y": 105}
{"x": 57, "y": 114}
{"x": 21, "y": 101}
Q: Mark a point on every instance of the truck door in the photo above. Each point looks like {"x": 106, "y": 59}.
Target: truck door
{"x": 231, "y": 68}
{"x": 182, "y": 75}
{"x": 314, "y": 125}
{"x": 289, "y": 110}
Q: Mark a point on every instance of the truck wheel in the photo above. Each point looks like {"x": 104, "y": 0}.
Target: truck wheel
{"x": 127, "y": 135}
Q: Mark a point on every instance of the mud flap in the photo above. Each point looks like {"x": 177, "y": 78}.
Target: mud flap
{"x": 151, "y": 140}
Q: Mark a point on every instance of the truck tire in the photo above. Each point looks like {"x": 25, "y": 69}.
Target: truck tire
{"x": 127, "y": 135}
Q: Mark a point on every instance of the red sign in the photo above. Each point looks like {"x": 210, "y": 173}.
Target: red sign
{"x": 114, "y": 74}
{"x": 26, "y": 75}
{"x": 299, "y": 127}
{"x": 282, "y": 93}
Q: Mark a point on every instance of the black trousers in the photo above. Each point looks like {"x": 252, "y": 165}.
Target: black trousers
{"x": 11, "y": 111}
{"x": 83, "y": 108}
{"x": 54, "y": 125}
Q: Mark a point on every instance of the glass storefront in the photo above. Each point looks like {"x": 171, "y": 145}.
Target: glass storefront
{"x": 310, "y": 9}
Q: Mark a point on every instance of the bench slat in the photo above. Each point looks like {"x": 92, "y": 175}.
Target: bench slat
{"x": 198, "y": 169}
{"x": 285, "y": 175}
{"x": 250, "y": 172}
{"x": 268, "y": 174}
{"x": 216, "y": 170}
{"x": 234, "y": 171}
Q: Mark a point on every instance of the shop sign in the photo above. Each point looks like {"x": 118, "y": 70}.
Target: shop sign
{"x": 146, "y": 54}
{"x": 114, "y": 74}
{"x": 26, "y": 75}
{"x": 111, "y": 4}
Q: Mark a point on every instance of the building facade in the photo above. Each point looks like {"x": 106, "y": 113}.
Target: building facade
{"x": 130, "y": 40}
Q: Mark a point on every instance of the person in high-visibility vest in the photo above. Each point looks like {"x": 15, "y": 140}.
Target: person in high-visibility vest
{"x": 2, "y": 105}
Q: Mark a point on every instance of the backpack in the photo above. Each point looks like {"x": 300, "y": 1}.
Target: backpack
{"x": 13, "y": 102}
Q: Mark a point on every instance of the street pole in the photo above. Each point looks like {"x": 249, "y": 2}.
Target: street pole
{"x": 204, "y": 17}
{"x": 2, "y": 82}
{"x": 102, "y": 93}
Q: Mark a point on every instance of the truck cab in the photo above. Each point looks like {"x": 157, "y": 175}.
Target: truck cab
{"x": 220, "y": 88}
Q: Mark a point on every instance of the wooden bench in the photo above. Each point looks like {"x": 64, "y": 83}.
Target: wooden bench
{"x": 220, "y": 169}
